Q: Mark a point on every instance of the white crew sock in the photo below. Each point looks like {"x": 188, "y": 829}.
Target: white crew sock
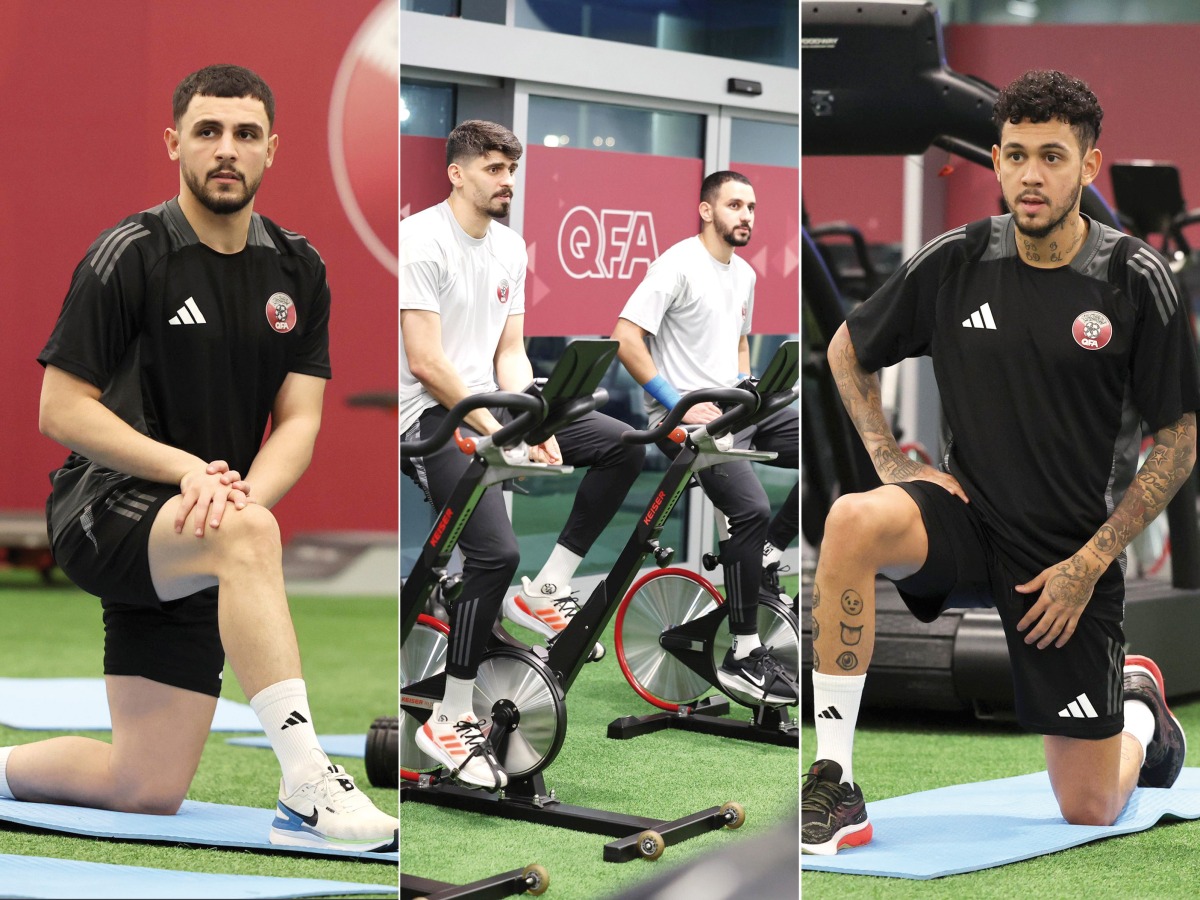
{"x": 743, "y": 644}
{"x": 556, "y": 574}
{"x": 771, "y": 554}
{"x": 5, "y": 791}
{"x": 283, "y": 711}
{"x": 1139, "y": 722}
{"x": 836, "y": 699}
{"x": 459, "y": 697}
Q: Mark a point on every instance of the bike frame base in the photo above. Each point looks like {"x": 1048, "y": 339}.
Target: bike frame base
{"x": 543, "y": 809}
{"x": 706, "y": 717}
{"x": 506, "y": 884}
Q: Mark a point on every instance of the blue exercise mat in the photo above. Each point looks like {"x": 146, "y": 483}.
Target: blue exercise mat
{"x": 202, "y": 824}
{"x": 968, "y": 827}
{"x": 333, "y": 744}
{"x": 81, "y": 704}
{"x": 39, "y": 876}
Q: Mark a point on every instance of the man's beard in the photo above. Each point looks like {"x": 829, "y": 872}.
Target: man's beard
{"x": 1045, "y": 231}
{"x": 219, "y": 203}
{"x": 731, "y": 238}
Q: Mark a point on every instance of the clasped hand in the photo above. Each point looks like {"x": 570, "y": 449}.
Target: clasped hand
{"x": 205, "y": 494}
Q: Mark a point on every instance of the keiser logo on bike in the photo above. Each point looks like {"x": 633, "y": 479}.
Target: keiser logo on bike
{"x": 609, "y": 245}
{"x": 654, "y": 508}
{"x": 441, "y": 527}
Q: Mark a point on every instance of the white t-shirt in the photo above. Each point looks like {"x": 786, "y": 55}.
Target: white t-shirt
{"x": 473, "y": 284}
{"x": 695, "y": 309}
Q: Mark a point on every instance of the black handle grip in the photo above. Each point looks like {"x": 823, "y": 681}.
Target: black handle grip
{"x": 745, "y": 403}
{"x": 532, "y": 410}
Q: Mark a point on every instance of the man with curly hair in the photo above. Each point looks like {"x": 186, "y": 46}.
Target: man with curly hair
{"x": 1053, "y": 338}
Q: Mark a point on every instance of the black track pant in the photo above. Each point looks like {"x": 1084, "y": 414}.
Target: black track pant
{"x": 736, "y": 491}
{"x": 488, "y": 545}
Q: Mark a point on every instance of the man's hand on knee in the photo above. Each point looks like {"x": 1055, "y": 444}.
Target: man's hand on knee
{"x": 206, "y": 492}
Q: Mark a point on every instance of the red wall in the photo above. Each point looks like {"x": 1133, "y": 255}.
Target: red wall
{"x": 87, "y": 90}
{"x": 594, "y": 220}
{"x": 1142, "y": 75}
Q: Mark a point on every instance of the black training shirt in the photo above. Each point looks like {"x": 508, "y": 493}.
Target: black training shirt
{"x": 1045, "y": 377}
{"x": 189, "y": 346}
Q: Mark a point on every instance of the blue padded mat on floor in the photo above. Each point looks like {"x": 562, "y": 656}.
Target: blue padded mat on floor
{"x": 80, "y": 704}
{"x": 968, "y": 827}
{"x": 38, "y": 877}
{"x": 202, "y": 824}
{"x": 333, "y": 744}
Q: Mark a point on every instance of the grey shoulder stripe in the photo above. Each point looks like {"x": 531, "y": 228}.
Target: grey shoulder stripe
{"x": 114, "y": 236}
{"x": 105, "y": 261}
{"x": 921, "y": 255}
{"x": 1163, "y": 274}
{"x": 258, "y": 234}
{"x": 1160, "y": 285}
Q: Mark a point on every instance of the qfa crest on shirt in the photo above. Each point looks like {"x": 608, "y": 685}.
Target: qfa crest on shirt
{"x": 1092, "y": 330}
{"x": 281, "y": 312}
{"x": 502, "y": 290}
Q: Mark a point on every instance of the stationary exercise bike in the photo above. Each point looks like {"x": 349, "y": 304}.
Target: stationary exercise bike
{"x": 520, "y": 690}
{"x": 546, "y": 405}
{"x": 671, "y": 632}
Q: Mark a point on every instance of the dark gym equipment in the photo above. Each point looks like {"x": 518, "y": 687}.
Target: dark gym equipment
{"x": 533, "y": 879}
{"x": 522, "y": 689}
{"x": 547, "y": 404}
{"x": 904, "y": 101}
{"x": 671, "y": 631}
{"x": 383, "y": 752}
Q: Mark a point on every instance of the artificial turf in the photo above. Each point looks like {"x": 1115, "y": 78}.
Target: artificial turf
{"x": 900, "y": 753}
{"x": 665, "y": 775}
{"x": 350, "y": 657}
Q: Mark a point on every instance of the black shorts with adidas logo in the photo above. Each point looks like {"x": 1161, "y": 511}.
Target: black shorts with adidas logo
{"x": 104, "y": 549}
{"x": 1074, "y": 690}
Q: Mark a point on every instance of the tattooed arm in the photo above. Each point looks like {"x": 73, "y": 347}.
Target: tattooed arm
{"x": 863, "y": 400}
{"x": 1067, "y": 586}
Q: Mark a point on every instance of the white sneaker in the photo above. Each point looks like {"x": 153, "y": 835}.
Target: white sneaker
{"x": 332, "y": 812}
{"x": 463, "y": 749}
{"x": 547, "y": 614}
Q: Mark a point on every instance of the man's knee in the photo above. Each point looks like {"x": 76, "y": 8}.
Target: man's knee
{"x": 250, "y": 534}
{"x": 864, "y": 520}
{"x": 149, "y": 799}
{"x": 1090, "y": 807}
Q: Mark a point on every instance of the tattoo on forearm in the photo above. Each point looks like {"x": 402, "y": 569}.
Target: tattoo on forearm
{"x": 861, "y": 395}
{"x": 852, "y": 602}
{"x": 847, "y": 661}
{"x": 1167, "y": 466}
{"x": 851, "y": 635}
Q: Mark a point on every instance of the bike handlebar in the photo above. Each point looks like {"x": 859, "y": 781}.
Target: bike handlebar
{"x": 531, "y": 411}
{"x": 746, "y": 403}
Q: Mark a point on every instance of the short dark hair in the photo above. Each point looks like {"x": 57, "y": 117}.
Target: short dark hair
{"x": 712, "y": 184}
{"x": 476, "y": 137}
{"x": 222, "y": 80}
{"x": 1042, "y": 95}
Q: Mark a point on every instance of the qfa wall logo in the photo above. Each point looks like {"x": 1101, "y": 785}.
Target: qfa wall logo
{"x": 613, "y": 244}
{"x": 364, "y": 129}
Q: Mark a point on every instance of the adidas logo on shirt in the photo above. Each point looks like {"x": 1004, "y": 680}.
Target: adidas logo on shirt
{"x": 830, "y": 713}
{"x": 1079, "y": 708}
{"x": 188, "y": 314}
{"x": 981, "y": 318}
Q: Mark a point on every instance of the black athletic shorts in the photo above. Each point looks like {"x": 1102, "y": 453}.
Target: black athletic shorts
{"x": 105, "y": 551}
{"x": 1074, "y": 690}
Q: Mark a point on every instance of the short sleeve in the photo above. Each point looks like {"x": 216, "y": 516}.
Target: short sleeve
{"x": 648, "y": 304}
{"x": 103, "y": 309}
